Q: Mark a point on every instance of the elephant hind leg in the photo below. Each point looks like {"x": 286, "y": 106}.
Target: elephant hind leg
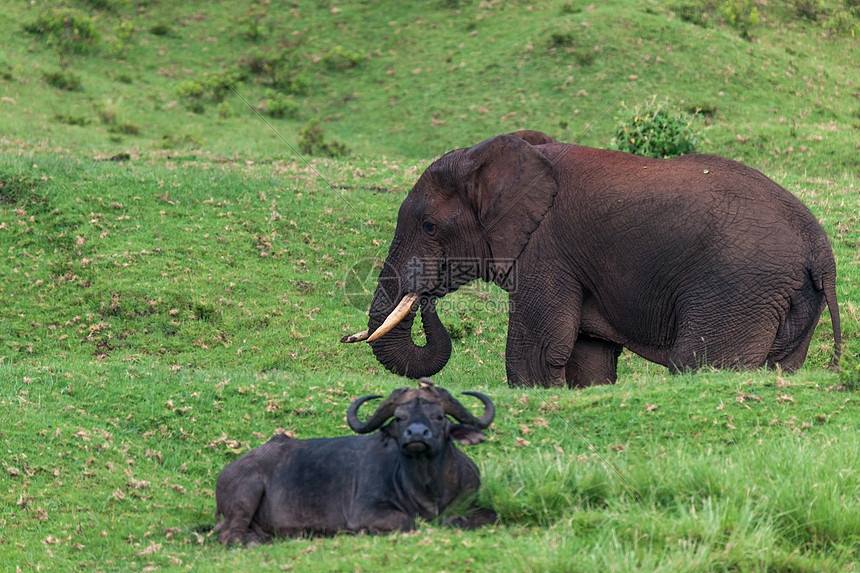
{"x": 795, "y": 333}
{"x": 725, "y": 344}
{"x": 593, "y": 361}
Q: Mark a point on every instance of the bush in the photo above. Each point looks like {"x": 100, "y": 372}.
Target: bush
{"x": 699, "y": 12}
{"x": 559, "y": 38}
{"x": 110, "y": 114}
{"x": 68, "y": 30}
{"x": 159, "y": 29}
{"x": 281, "y": 69}
{"x": 124, "y": 36}
{"x": 808, "y": 9}
{"x": 63, "y": 80}
{"x": 125, "y": 128}
{"x": 170, "y": 141}
{"x": 219, "y": 85}
{"x": 225, "y": 110}
{"x": 741, "y": 14}
{"x": 842, "y": 23}
{"x": 654, "y": 132}
{"x": 191, "y": 92}
{"x": 108, "y": 111}
{"x": 312, "y": 142}
{"x": 278, "y": 105}
{"x": 339, "y": 58}
{"x": 71, "y": 119}
{"x": 106, "y": 4}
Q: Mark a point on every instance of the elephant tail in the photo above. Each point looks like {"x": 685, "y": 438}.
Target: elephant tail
{"x": 825, "y": 280}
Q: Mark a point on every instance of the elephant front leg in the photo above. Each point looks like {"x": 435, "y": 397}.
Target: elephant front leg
{"x": 541, "y": 335}
{"x": 593, "y": 361}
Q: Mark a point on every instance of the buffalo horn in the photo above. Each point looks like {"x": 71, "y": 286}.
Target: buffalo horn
{"x": 464, "y": 416}
{"x": 383, "y": 412}
{"x": 398, "y": 314}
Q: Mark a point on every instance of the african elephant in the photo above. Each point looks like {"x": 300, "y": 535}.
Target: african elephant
{"x": 691, "y": 261}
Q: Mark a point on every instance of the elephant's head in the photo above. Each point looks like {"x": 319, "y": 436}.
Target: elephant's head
{"x": 469, "y": 216}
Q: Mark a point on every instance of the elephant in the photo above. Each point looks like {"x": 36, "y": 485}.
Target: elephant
{"x": 688, "y": 262}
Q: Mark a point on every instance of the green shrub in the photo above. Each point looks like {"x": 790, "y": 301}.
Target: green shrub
{"x": 570, "y": 8}
{"x": 299, "y": 83}
{"x": 63, "y": 80}
{"x": 159, "y": 29}
{"x": 655, "y": 132}
{"x": 742, "y": 15}
{"x": 560, "y": 37}
{"x": 252, "y": 30}
{"x": 216, "y": 87}
{"x": 278, "y": 105}
{"x": 585, "y": 56}
{"x": 699, "y": 12}
{"x": 339, "y": 58}
{"x": 191, "y": 93}
{"x": 124, "y": 37}
{"x": 808, "y": 9}
{"x": 279, "y": 68}
{"x": 107, "y": 111}
{"x": 68, "y": 30}
{"x": 842, "y": 23}
{"x": 170, "y": 141}
{"x": 71, "y": 119}
{"x": 312, "y": 142}
{"x": 110, "y": 114}
{"x": 739, "y": 14}
{"x": 225, "y": 110}
{"x": 107, "y": 4}
{"x": 125, "y": 128}
{"x": 258, "y": 61}
{"x": 219, "y": 85}
{"x": 123, "y": 77}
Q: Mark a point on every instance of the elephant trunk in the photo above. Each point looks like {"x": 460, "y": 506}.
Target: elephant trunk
{"x": 397, "y": 351}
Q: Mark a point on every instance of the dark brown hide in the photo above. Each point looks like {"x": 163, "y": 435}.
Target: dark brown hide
{"x": 691, "y": 261}
{"x": 377, "y": 482}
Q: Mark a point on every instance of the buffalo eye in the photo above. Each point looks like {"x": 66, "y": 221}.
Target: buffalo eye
{"x": 429, "y": 227}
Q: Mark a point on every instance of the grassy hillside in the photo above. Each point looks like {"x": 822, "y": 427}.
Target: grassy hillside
{"x": 164, "y": 312}
{"x": 416, "y": 79}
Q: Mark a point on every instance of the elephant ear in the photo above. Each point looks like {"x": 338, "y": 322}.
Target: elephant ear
{"x": 510, "y": 186}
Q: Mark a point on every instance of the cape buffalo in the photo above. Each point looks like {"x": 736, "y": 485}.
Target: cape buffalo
{"x": 377, "y": 483}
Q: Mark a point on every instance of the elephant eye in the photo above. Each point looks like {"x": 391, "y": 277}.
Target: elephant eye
{"x": 429, "y": 227}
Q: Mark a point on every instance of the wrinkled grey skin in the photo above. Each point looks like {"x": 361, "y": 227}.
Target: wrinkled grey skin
{"x": 691, "y": 261}
{"x": 378, "y": 483}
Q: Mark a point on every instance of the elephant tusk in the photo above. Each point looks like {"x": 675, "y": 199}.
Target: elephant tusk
{"x": 357, "y": 337}
{"x": 398, "y": 314}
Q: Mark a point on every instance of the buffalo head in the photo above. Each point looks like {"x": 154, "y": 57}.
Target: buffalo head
{"x": 419, "y": 420}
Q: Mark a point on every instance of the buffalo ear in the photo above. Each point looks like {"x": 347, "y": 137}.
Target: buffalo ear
{"x": 511, "y": 186}
{"x": 466, "y": 435}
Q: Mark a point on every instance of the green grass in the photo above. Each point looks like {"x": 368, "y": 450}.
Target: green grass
{"x": 167, "y": 310}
